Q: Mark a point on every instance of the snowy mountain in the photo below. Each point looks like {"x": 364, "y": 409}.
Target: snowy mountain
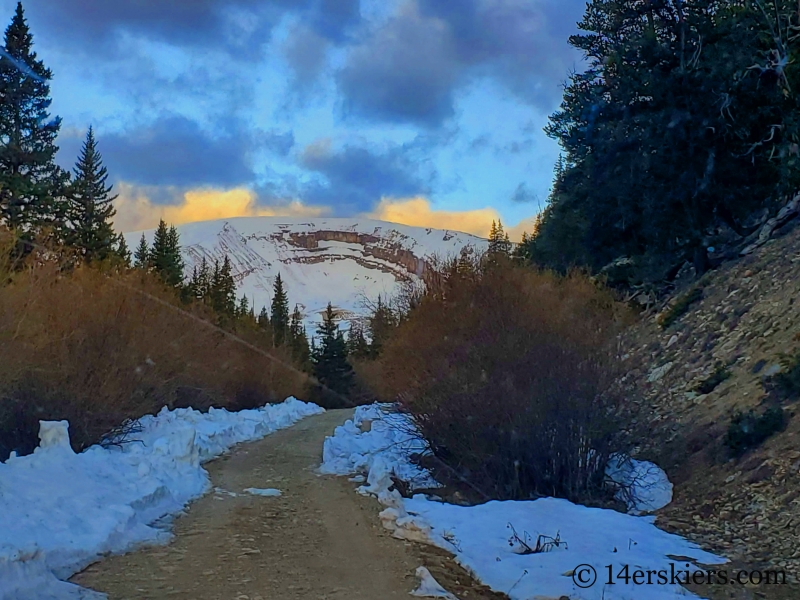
{"x": 337, "y": 260}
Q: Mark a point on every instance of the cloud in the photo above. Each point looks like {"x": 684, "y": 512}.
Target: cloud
{"x": 406, "y": 71}
{"x": 418, "y": 213}
{"x": 176, "y": 151}
{"x": 409, "y": 69}
{"x": 136, "y": 210}
{"x": 354, "y": 177}
{"x": 523, "y": 194}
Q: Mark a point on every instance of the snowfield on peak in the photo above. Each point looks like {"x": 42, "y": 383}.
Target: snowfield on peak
{"x": 337, "y": 260}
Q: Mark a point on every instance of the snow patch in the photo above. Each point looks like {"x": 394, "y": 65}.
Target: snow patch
{"x": 481, "y": 537}
{"x": 60, "y": 511}
{"x": 269, "y": 492}
{"x": 429, "y": 587}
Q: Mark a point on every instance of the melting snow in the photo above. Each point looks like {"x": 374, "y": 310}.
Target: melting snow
{"x": 60, "y": 511}
{"x": 269, "y": 493}
{"x": 480, "y": 537}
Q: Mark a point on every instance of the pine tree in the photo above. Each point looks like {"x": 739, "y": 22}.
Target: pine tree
{"x": 263, "y": 319}
{"x": 498, "y": 240}
{"x": 122, "y": 252}
{"x": 331, "y": 366}
{"x": 165, "y": 255}
{"x": 141, "y": 258}
{"x": 243, "y": 310}
{"x": 90, "y": 205}
{"x": 357, "y": 345}
{"x": 31, "y": 184}
{"x": 298, "y": 341}
{"x": 222, "y": 290}
{"x": 279, "y": 313}
{"x": 381, "y": 324}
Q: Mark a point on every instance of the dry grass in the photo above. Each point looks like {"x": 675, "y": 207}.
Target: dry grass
{"x": 506, "y": 371}
{"x": 89, "y": 346}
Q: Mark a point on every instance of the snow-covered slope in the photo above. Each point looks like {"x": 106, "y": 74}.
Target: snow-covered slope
{"x": 337, "y": 260}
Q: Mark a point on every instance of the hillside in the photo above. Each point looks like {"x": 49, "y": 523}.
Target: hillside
{"x": 337, "y": 260}
{"x": 746, "y": 508}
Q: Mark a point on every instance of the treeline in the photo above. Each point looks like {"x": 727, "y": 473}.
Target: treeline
{"x": 677, "y": 138}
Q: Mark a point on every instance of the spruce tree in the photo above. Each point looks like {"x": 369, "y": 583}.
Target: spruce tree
{"x": 298, "y": 341}
{"x": 331, "y": 366}
{"x": 165, "y": 255}
{"x": 141, "y": 258}
{"x": 223, "y": 289}
{"x": 279, "y": 312}
{"x": 122, "y": 252}
{"x": 90, "y": 205}
{"x": 31, "y": 184}
{"x": 381, "y": 324}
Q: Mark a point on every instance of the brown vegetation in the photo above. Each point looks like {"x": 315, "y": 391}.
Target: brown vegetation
{"x": 506, "y": 371}
{"x": 97, "y": 346}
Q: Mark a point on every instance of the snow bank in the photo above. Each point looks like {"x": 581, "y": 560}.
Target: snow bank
{"x": 59, "y": 511}
{"x": 480, "y": 537}
{"x": 376, "y": 436}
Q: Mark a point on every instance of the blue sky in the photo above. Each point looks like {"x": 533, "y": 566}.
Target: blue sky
{"x": 428, "y": 112}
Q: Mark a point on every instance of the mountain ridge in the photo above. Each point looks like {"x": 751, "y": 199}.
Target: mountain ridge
{"x": 334, "y": 259}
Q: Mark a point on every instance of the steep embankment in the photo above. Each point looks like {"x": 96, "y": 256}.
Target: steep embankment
{"x": 747, "y": 508}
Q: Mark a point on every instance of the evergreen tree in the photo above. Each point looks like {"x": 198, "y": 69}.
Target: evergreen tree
{"x": 298, "y": 341}
{"x": 141, "y": 258}
{"x": 243, "y": 310}
{"x": 279, "y": 313}
{"x": 498, "y": 240}
{"x": 357, "y": 345}
{"x": 682, "y": 123}
{"x": 263, "y": 319}
{"x": 31, "y": 184}
{"x": 381, "y": 324}
{"x": 90, "y": 205}
{"x": 222, "y": 290}
{"x": 122, "y": 251}
{"x": 165, "y": 255}
{"x": 331, "y": 366}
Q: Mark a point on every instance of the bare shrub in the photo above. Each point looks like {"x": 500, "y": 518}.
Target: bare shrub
{"x": 507, "y": 371}
{"x": 97, "y": 347}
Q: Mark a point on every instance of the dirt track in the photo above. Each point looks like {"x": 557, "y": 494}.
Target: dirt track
{"x": 319, "y": 539}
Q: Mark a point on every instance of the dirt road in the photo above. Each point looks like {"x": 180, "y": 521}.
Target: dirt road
{"x": 318, "y": 540}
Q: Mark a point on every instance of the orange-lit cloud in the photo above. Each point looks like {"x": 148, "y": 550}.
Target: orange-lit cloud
{"x": 418, "y": 212}
{"x": 135, "y": 211}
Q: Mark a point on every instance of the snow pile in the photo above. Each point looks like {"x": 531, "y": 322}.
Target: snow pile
{"x": 376, "y": 440}
{"x": 429, "y": 587}
{"x": 481, "y": 537}
{"x": 59, "y": 510}
{"x": 643, "y": 486}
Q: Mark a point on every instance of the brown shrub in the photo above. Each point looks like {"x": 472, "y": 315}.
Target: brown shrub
{"x": 506, "y": 371}
{"x": 97, "y": 347}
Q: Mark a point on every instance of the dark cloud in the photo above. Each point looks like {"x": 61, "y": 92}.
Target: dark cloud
{"x": 524, "y": 195}
{"x": 305, "y": 51}
{"x": 356, "y": 178}
{"x": 409, "y": 69}
{"x": 239, "y": 26}
{"x": 280, "y": 143}
{"x": 175, "y": 151}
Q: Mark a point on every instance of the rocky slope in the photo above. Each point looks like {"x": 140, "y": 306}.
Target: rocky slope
{"x": 337, "y": 260}
{"x": 747, "y": 314}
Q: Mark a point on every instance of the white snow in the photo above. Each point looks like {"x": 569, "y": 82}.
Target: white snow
{"x": 376, "y": 436}
{"x": 644, "y": 486}
{"x": 429, "y": 587}
{"x": 480, "y": 537}
{"x": 268, "y": 493}
{"x": 334, "y": 271}
{"x": 60, "y": 511}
